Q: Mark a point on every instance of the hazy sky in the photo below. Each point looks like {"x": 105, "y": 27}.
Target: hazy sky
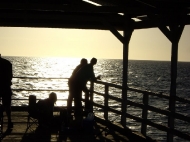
{"x": 147, "y": 44}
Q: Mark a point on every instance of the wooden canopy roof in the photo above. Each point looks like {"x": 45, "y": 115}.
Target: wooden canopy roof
{"x": 83, "y": 14}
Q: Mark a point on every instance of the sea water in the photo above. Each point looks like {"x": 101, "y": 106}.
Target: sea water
{"x": 146, "y": 75}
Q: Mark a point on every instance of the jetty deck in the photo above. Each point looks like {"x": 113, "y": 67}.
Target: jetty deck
{"x": 105, "y": 129}
{"x": 101, "y": 133}
{"x": 170, "y": 17}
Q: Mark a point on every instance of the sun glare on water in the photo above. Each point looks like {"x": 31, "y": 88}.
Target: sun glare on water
{"x": 44, "y": 74}
{"x": 59, "y": 67}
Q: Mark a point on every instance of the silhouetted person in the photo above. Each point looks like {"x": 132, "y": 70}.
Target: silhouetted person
{"x": 45, "y": 108}
{"x": 5, "y": 87}
{"x": 83, "y": 62}
{"x": 80, "y": 80}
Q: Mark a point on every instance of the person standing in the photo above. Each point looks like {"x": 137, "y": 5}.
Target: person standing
{"x": 80, "y": 80}
{"x": 5, "y": 87}
{"x": 83, "y": 62}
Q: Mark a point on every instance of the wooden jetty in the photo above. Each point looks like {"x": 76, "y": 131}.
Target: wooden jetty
{"x": 115, "y": 131}
{"x": 101, "y": 133}
{"x": 170, "y": 16}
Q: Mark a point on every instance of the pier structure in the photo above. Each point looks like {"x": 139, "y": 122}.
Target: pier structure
{"x": 104, "y": 111}
{"x": 170, "y": 16}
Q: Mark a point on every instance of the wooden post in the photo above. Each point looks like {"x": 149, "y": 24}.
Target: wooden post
{"x": 173, "y": 35}
{"x": 106, "y": 103}
{"x": 128, "y": 30}
{"x": 174, "y": 58}
{"x": 144, "y": 114}
{"x": 176, "y": 32}
{"x": 91, "y": 95}
{"x": 127, "y": 35}
{"x": 87, "y": 101}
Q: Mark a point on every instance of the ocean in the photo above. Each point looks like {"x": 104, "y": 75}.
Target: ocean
{"x": 146, "y": 75}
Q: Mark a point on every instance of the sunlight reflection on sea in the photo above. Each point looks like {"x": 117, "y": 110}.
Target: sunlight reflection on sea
{"x": 145, "y": 75}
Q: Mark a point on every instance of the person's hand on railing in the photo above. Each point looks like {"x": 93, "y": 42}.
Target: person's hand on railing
{"x": 98, "y": 77}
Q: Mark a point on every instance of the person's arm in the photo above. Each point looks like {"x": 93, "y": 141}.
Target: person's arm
{"x": 95, "y": 78}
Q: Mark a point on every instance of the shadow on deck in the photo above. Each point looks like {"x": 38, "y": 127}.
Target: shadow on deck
{"x": 103, "y": 132}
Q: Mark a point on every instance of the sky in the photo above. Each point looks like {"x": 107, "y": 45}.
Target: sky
{"x": 145, "y": 44}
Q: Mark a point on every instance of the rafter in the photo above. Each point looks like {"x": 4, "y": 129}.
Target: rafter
{"x": 81, "y": 14}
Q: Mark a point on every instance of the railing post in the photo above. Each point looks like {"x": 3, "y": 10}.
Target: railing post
{"x": 106, "y": 103}
{"x": 144, "y": 114}
{"x": 87, "y": 101}
{"x": 91, "y": 95}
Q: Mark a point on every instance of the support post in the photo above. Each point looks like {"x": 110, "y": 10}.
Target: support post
{"x": 144, "y": 114}
{"x": 127, "y": 35}
{"x": 176, "y": 32}
{"x": 87, "y": 102}
{"x": 173, "y": 35}
{"x": 106, "y": 103}
{"x": 128, "y": 30}
{"x": 91, "y": 95}
{"x": 174, "y": 59}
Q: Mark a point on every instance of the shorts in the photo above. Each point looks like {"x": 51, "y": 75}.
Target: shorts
{"x": 6, "y": 94}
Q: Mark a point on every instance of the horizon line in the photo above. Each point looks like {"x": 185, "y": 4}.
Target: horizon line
{"x": 95, "y": 57}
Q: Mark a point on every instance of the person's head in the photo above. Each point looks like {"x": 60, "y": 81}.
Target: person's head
{"x": 53, "y": 97}
{"x": 93, "y": 61}
{"x": 83, "y": 61}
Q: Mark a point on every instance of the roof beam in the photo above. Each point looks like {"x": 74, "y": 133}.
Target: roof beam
{"x": 161, "y": 21}
{"x": 88, "y": 16}
{"x": 147, "y": 5}
{"x": 76, "y": 20}
{"x": 113, "y": 30}
{"x": 74, "y": 8}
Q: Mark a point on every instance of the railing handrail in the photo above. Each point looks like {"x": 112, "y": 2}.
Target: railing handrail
{"x": 23, "y": 99}
{"x": 22, "y": 77}
{"x": 104, "y": 83}
{"x": 161, "y": 95}
{"x": 40, "y": 90}
{"x": 110, "y": 85}
{"x": 144, "y": 106}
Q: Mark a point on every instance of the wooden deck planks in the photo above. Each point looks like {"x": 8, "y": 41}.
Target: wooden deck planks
{"x": 19, "y": 134}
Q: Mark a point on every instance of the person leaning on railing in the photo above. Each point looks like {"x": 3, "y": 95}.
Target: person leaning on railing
{"x": 80, "y": 80}
{"x": 83, "y": 62}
